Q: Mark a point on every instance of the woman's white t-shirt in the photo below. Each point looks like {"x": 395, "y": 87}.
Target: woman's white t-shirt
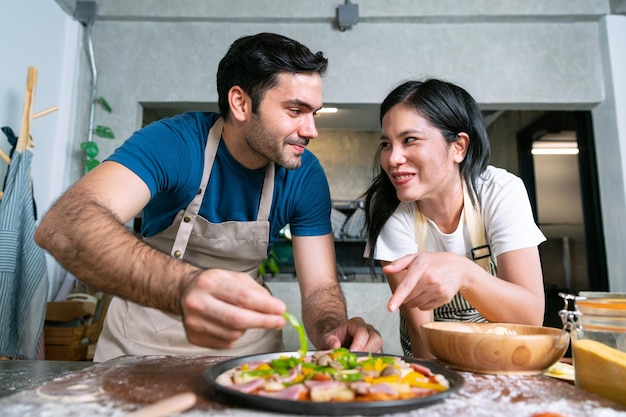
{"x": 508, "y": 222}
{"x": 506, "y": 213}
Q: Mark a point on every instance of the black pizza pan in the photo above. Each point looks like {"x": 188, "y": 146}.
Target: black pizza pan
{"x": 364, "y": 408}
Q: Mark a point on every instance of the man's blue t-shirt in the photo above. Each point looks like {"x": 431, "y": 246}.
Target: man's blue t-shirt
{"x": 168, "y": 155}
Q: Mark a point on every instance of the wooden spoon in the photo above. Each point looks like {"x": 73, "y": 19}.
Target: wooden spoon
{"x": 174, "y": 404}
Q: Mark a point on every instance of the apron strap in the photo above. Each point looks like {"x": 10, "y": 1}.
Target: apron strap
{"x": 481, "y": 250}
{"x": 458, "y": 309}
{"x": 265, "y": 205}
{"x": 192, "y": 210}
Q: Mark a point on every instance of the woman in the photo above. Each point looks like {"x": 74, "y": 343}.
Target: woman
{"x": 440, "y": 218}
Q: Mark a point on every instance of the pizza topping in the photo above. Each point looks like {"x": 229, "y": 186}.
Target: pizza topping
{"x": 390, "y": 371}
{"x": 248, "y": 387}
{"x": 293, "y": 393}
{"x": 421, "y": 369}
{"x": 337, "y": 375}
{"x": 297, "y": 325}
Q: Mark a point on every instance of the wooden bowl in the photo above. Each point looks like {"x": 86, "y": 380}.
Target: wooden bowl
{"x": 480, "y": 347}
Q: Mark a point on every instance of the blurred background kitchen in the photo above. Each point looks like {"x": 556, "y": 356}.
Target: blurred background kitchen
{"x": 549, "y": 77}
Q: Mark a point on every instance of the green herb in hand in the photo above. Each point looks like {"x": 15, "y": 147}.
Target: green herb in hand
{"x": 293, "y": 320}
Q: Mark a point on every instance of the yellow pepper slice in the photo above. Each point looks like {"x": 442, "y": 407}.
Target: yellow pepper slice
{"x": 382, "y": 379}
{"x": 415, "y": 379}
{"x": 263, "y": 367}
{"x": 377, "y": 366}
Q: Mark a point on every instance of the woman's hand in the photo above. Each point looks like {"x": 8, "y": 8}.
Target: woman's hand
{"x": 426, "y": 280}
{"x": 430, "y": 279}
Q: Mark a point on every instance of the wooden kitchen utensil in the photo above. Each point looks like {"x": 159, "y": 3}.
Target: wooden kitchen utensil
{"x": 174, "y": 404}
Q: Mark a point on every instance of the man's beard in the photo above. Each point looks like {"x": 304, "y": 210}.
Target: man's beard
{"x": 265, "y": 142}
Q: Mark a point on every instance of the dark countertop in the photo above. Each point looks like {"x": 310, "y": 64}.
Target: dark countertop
{"x": 16, "y": 375}
{"x": 122, "y": 385}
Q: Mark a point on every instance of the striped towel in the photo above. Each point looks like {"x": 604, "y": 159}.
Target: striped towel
{"x": 23, "y": 272}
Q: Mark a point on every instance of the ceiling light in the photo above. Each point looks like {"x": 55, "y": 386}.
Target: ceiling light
{"x": 327, "y": 110}
{"x": 554, "y": 151}
{"x": 558, "y": 147}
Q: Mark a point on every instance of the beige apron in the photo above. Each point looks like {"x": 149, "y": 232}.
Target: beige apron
{"x": 457, "y": 309}
{"x": 131, "y": 329}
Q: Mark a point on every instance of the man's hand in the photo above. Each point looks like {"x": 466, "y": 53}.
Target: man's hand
{"x": 356, "y": 335}
{"x": 219, "y": 306}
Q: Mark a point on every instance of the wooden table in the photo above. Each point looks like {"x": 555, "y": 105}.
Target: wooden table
{"x": 116, "y": 387}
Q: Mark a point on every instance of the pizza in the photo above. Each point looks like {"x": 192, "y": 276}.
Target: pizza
{"x": 337, "y": 375}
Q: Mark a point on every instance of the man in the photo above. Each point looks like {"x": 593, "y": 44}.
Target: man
{"x": 215, "y": 190}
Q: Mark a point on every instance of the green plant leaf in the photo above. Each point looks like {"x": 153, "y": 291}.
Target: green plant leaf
{"x": 104, "y": 132}
{"x": 273, "y": 266}
{"x": 90, "y": 149}
{"x": 105, "y": 104}
{"x": 91, "y": 164}
{"x": 271, "y": 263}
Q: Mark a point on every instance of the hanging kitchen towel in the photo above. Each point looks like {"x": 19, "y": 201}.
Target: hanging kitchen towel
{"x": 354, "y": 227}
{"x": 337, "y": 219}
{"x": 12, "y": 139}
{"x": 23, "y": 272}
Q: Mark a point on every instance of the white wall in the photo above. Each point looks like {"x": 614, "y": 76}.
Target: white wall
{"x": 39, "y": 33}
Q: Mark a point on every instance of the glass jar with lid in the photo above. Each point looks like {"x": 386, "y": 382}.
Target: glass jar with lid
{"x": 597, "y": 324}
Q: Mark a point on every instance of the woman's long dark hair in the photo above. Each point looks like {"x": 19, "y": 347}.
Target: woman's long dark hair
{"x": 450, "y": 109}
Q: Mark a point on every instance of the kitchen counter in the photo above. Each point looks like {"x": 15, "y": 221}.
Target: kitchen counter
{"x": 18, "y": 375}
{"x": 119, "y": 386}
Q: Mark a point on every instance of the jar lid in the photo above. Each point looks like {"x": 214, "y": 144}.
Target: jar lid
{"x": 602, "y": 304}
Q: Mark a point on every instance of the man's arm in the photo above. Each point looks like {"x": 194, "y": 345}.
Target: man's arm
{"x": 84, "y": 230}
{"x": 323, "y": 304}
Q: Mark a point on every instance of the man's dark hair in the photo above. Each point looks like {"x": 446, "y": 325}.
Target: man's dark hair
{"x": 254, "y": 62}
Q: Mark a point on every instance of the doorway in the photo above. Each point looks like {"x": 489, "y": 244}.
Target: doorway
{"x": 564, "y": 195}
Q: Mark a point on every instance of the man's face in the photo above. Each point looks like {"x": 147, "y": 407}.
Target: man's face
{"x": 285, "y": 123}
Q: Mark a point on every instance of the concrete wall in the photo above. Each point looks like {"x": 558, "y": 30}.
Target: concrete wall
{"x": 348, "y": 160}
{"x": 609, "y": 122}
{"x": 522, "y": 56}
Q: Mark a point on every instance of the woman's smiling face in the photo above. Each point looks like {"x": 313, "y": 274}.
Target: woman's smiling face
{"x": 418, "y": 160}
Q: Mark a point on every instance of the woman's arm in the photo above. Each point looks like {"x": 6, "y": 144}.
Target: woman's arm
{"x": 518, "y": 289}
{"x": 431, "y": 279}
